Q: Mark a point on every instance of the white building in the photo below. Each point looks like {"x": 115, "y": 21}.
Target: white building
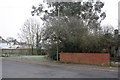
{"x": 12, "y": 45}
{"x": 3, "y": 43}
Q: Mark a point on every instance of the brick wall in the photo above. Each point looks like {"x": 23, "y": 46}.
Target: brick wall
{"x": 86, "y": 58}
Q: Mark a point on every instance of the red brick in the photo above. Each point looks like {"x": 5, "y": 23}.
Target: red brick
{"x": 86, "y": 58}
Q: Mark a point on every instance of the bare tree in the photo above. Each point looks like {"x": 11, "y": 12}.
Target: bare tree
{"x": 108, "y": 29}
{"x": 31, "y": 33}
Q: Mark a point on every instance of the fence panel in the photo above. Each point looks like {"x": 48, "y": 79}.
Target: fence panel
{"x": 18, "y": 51}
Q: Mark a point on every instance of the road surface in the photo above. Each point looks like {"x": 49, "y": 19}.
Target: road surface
{"x": 13, "y": 69}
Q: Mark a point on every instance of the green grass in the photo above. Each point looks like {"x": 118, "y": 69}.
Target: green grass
{"x": 33, "y": 58}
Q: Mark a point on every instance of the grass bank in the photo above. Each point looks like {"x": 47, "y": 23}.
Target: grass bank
{"x": 31, "y": 57}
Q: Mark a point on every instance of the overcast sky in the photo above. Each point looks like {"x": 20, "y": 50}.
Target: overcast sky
{"x": 13, "y": 13}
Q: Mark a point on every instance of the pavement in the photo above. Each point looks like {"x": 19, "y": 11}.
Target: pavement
{"x": 0, "y": 68}
{"x": 68, "y": 65}
{"x": 12, "y": 68}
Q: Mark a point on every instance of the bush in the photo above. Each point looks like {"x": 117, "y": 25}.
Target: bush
{"x": 5, "y": 55}
{"x": 53, "y": 55}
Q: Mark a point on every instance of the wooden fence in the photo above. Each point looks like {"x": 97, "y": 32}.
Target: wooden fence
{"x": 18, "y": 51}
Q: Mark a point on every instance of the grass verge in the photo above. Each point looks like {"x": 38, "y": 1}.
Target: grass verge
{"x": 33, "y": 58}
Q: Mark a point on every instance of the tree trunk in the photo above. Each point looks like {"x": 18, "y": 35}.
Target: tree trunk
{"x": 32, "y": 50}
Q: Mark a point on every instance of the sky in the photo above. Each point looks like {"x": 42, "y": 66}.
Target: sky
{"x": 13, "y": 14}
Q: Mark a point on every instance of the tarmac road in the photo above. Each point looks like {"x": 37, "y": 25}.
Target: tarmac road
{"x": 13, "y": 69}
